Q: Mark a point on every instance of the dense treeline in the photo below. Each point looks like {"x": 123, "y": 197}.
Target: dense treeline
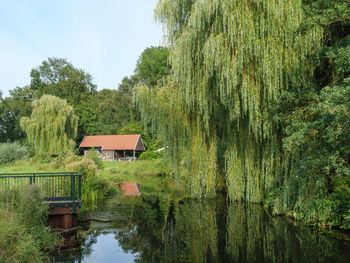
{"x": 259, "y": 97}
{"x": 104, "y": 111}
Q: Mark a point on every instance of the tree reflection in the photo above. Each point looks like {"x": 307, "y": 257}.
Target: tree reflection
{"x": 160, "y": 230}
{"x": 252, "y": 236}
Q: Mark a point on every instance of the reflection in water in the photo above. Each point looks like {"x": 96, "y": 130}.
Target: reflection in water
{"x": 155, "y": 230}
{"x": 254, "y": 237}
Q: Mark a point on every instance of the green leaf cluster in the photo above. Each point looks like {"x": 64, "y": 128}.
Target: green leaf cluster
{"x": 258, "y": 93}
{"x": 52, "y": 127}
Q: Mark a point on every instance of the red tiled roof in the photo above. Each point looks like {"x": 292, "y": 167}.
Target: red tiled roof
{"x": 111, "y": 142}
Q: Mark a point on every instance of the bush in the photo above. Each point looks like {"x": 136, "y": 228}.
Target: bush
{"x": 84, "y": 165}
{"x": 94, "y": 186}
{"x": 94, "y": 155}
{"x": 149, "y": 155}
{"x": 10, "y": 152}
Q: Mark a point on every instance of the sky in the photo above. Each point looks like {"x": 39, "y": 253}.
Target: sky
{"x": 102, "y": 37}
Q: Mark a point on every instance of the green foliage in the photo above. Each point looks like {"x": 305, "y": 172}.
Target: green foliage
{"x": 150, "y": 141}
{"x": 95, "y": 187}
{"x": 113, "y": 109}
{"x": 149, "y": 155}
{"x": 347, "y": 220}
{"x": 52, "y": 126}
{"x": 320, "y": 181}
{"x": 131, "y": 128}
{"x": 152, "y": 65}
{"x": 24, "y": 234}
{"x": 87, "y": 167}
{"x": 223, "y": 84}
{"x": 12, "y": 109}
{"x": 94, "y": 155}
{"x": 268, "y": 108}
{"x": 10, "y": 152}
{"x": 56, "y": 76}
{"x": 316, "y": 140}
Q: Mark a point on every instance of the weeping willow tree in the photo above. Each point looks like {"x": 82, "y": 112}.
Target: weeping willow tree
{"x": 51, "y": 127}
{"x": 231, "y": 60}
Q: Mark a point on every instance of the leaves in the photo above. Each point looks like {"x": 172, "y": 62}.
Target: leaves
{"x": 51, "y": 127}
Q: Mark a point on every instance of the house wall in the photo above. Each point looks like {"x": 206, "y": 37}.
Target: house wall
{"x": 139, "y": 145}
{"x": 107, "y": 154}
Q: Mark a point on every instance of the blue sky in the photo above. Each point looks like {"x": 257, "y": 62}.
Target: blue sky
{"x": 102, "y": 37}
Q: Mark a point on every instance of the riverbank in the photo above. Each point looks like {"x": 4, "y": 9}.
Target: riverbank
{"x": 99, "y": 182}
{"x": 23, "y": 231}
{"x": 104, "y": 179}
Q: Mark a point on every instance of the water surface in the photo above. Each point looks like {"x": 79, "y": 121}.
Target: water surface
{"x": 152, "y": 229}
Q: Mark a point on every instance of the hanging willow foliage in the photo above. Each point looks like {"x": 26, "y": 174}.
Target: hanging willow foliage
{"x": 51, "y": 127}
{"x": 231, "y": 61}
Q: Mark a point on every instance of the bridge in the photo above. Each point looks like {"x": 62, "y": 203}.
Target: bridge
{"x": 62, "y": 193}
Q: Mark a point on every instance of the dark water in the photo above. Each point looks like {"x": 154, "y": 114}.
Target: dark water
{"x": 152, "y": 229}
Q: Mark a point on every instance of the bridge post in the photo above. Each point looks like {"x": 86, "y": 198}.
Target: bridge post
{"x": 72, "y": 185}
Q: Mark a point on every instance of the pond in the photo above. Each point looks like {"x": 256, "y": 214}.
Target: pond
{"x": 152, "y": 229}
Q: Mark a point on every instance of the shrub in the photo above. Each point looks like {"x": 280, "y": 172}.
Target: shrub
{"x": 10, "y": 152}
{"x": 94, "y": 186}
{"x": 94, "y": 155}
{"x": 148, "y": 155}
{"x": 84, "y": 165}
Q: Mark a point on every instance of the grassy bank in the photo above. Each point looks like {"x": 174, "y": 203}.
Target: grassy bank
{"x": 24, "y": 236}
{"x": 103, "y": 179}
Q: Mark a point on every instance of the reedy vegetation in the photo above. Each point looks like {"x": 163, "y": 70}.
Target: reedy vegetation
{"x": 23, "y": 231}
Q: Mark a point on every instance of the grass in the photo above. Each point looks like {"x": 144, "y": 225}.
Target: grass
{"x": 26, "y": 166}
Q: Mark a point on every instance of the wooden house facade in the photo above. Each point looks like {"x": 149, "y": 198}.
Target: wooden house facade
{"x": 114, "y": 147}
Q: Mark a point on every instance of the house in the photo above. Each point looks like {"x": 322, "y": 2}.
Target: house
{"x": 114, "y": 147}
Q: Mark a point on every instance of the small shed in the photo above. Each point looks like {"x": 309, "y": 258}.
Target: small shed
{"x": 114, "y": 147}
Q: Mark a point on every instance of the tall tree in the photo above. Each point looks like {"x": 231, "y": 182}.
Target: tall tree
{"x": 261, "y": 95}
{"x": 231, "y": 61}
{"x": 52, "y": 127}
{"x": 152, "y": 65}
{"x": 58, "y": 77}
{"x": 12, "y": 109}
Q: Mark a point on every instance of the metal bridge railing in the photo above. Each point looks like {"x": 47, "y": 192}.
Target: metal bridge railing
{"x": 59, "y": 189}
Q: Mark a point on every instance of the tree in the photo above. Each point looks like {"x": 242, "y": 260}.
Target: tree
{"x": 150, "y": 141}
{"x": 52, "y": 127}
{"x": 114, "y": 110}
{"x": 226, "y": 76}
{"x": 56, "y": 76}
{"x": 316, "y": 127}
{"x": 60, "y": 78}
{"x": 12, "y": 109}
{"x": 259, "y": 95}
{"x": 152, "y": 65}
